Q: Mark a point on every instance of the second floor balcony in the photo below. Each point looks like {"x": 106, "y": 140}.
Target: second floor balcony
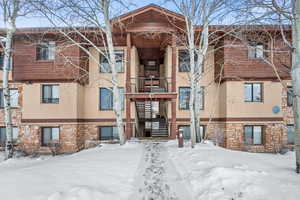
{"x": 151, "y": 88}
{"x": 151, "y": 85}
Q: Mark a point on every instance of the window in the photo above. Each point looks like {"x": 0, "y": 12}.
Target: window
{"x": 253, "y": 92}
{"x": 186, "y": 131}
{"x": 256, "y": 50}
{"x": 1, "y": 60}
{"x": 106, "y": 99}
{"x": 199, "y": 104}
{"x": 50, "y": 94}
{"x": 253, "y": 134}
{"x": 46, "y": 50}
{"x": 184, "y": 98}
{"x": 108, "y": 133}
{"x": 49, "y": 134}
{"x": 104, "y": 62}
{"x": 290, "y": 96}
{"x": 184, "y": 60}
{"x": 290, "y": 134}
{"x": 15, "y": 132}
{"x": 14, "y": 96}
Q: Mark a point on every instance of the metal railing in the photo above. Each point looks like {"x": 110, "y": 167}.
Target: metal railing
{"x": 151, "y": 84}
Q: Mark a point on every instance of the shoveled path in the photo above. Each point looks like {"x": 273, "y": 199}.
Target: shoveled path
{"x": 157, "y": 178}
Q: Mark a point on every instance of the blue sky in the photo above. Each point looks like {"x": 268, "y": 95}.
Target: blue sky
{"x": 38, "y": 21}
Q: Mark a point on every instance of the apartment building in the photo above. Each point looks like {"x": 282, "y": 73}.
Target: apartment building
{"x": 64, "y": 95}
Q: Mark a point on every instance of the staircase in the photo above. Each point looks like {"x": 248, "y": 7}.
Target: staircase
{"x": 159, "y": 128}
{"x": 144, "y": 109}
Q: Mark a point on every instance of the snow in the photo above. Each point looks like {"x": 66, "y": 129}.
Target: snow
{"x": 151, "y": 170}
{"x": 214, "y": 173}
{"x": 101, "y": 173}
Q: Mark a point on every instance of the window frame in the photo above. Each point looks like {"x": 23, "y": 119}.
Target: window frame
{"x": 287, "y": 132}
{"x": 179, "y": 61}
{"x": 102, "y": 57}
{"x": 42, "y": 135}
{"x": 252, "y": 96}
{"x": 111, "y": 137}
{"x": 252, "y": 135}
{"x": 2, "y": 97}
{"x": 253, "y": 47}
{"x": 15, "y": 139}
{"x": 289, "y": 96}
{"x": 189, "y": 126}
{"x": 1, "y": 60}
{"x": 112, "y": 99}
{"x": 52, "y": 99}
{"x": 45, "y": 45}
{"x": 179, "y": 104}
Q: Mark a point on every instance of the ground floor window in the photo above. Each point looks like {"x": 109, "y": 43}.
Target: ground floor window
{"x": 186, "y": 131}
{"x": 253, "y": 134}
{"x": 290, "y": 134}
{"x": 15, "y": 131}
{"x": 108, "y": 133}
{"x": 49, "y": 134}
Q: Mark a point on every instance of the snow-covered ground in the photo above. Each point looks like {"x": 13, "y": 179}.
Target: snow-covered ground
{"x": 151, "y": 171}
{"x": 96, "y": 174}
{"x": 214, "y": 173}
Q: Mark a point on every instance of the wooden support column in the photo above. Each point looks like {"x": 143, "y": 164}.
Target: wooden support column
{"x": 128, "y": 126}
{"x": 173, "y": 82}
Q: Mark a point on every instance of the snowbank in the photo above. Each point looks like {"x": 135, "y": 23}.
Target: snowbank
{"x": 100, "y": 173}
{"x": 215, "y": 173}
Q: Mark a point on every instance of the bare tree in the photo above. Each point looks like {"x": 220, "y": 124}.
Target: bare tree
{"x": 10, "y": 11}
{"x": 199, "y": 14}
{"x": 285, "y": 12}
{"x": 89, "y": 21}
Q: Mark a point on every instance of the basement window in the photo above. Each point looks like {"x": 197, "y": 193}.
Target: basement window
{"x": 14, "y": 97}
{"x": 186, "y": 131}
{"x": 49, "y": 134}
{"x": 108, "y": 133}
{"x": 15, "y": 131}
{"x": 50, "y": 94}
{"x": 253, "y": 135}
{"x": 105, "y": 65}
{"x": 290, "y": 134}
{"x": 46, "y": 50}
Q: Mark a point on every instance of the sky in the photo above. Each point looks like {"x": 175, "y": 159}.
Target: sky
{"x": 37, "y": 21}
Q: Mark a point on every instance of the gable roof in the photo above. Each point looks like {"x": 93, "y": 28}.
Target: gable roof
{"x": 147, "y": 8}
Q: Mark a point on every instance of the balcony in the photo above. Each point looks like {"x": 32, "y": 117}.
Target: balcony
{"x": 151, "y": 88}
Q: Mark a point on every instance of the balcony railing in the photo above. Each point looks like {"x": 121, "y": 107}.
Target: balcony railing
{"x": 151, "y": 85}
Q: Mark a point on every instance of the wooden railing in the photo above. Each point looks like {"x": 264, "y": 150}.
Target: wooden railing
{"x": 151, "y": 85}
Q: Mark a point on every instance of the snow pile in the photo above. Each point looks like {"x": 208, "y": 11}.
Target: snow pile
{"x": 215, "y": 173}
{"x": 100, "y": 173}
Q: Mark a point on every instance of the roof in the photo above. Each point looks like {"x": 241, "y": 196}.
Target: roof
{"x": 147, "y": 8}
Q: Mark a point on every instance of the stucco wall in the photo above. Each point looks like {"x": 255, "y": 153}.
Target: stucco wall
{"x": 237, "y": 107}
{"x": 67, "y": 108}
{"x": 96, "y": 81}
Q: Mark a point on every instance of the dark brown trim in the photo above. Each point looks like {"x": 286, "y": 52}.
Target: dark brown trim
{"x": 68, "y": 120}
{"x": 235, "y": 119}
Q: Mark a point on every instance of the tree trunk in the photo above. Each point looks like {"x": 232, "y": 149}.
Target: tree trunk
{"x": 296, "y": 79}
{"x": 6, "y": 93}
{"x": 116, "y": 95}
